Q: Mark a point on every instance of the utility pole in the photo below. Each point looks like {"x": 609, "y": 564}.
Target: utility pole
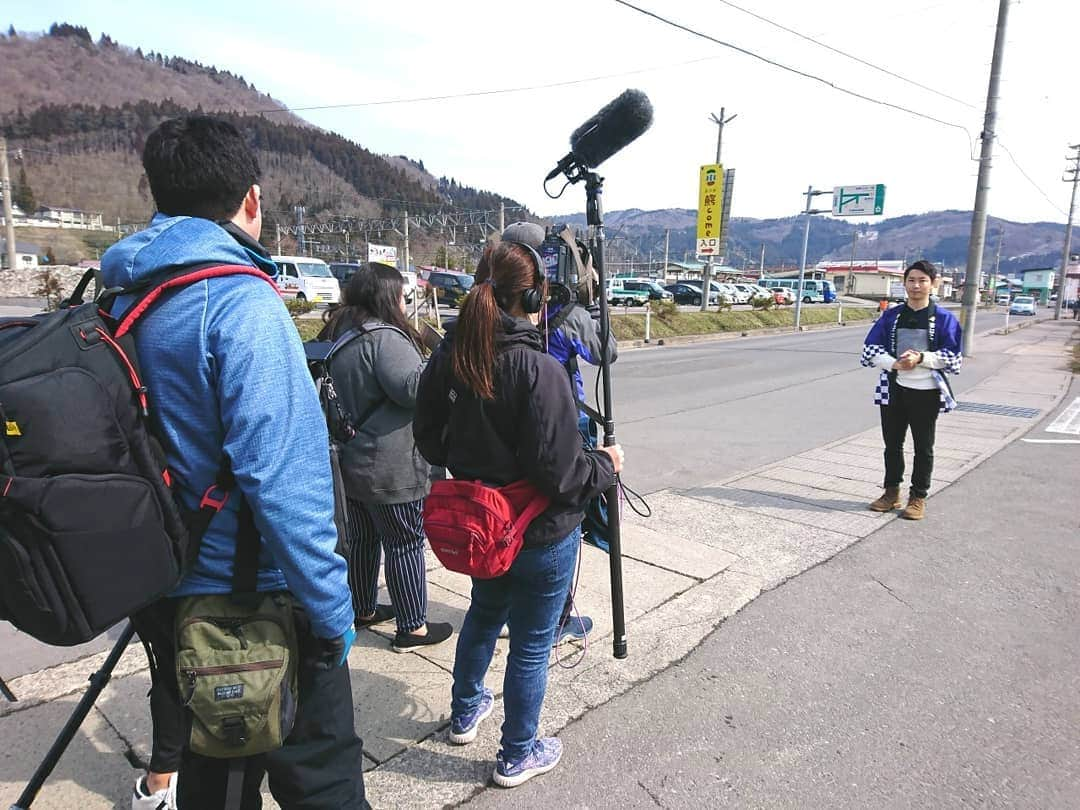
{"x": 810, "y": 194}
{"x": 9, "y": 218}
{"x": 977, "y": 240}
{"x": 502, "y": 217}
{"x": 997, "y": 266}
{"x": 1075, "y": 172}
{"x": 761, "y": 270}
{"x": 851, "y": 267}
{"x": 706, "y": 273}
{"x": 299, "y": 211}
{"x": 667, "y": 245}
{"x": 277, "y": 227}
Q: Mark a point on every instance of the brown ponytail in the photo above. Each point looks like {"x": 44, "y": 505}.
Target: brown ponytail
{"x": 503, "y": 273}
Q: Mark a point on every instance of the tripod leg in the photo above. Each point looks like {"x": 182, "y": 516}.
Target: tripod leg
{"x": 7, "y": 693}
{"x": 97, "y": 682}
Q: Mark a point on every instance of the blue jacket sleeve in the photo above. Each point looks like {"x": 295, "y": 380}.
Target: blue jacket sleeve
{"x": 275, "y": 436}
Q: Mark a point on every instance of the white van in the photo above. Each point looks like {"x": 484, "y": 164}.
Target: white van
{"x": 307, "y": 279}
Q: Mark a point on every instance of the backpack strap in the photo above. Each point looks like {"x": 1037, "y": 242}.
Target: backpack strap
{"x": 217, "y": 494}
{"x": 150, "y": 293}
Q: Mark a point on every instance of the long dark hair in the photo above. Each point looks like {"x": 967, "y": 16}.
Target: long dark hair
{"x": 504, "y": 272}
{"x": 373, "y": 293}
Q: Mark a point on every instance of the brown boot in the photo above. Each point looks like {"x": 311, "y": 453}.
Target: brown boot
{"x": 888, "y": 501}
{"x": 916, "y": 508}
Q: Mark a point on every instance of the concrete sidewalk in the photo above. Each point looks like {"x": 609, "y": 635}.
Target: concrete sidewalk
{"x": 704, "y": 554}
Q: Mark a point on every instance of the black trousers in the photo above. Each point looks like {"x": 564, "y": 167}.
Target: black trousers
{"x": 917, "y": 409}
{"x": 320, "y": 767}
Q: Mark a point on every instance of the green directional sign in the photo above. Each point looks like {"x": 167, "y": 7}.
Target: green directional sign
{"x": 852, "y": 201}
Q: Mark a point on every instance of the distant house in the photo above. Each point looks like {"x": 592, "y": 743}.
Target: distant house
{"x": 1039, "y": 282}
{"x": 16, "y": 212}
{"x": 866, "y": 279}
{"x": 69, "y": 217}
{"x": 26, "y": 254}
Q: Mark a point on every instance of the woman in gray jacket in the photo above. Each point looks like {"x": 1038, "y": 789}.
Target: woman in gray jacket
{"x": 376, "y": 374}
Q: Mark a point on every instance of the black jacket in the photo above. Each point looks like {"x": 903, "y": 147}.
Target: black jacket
{"x": 529, "y": 430}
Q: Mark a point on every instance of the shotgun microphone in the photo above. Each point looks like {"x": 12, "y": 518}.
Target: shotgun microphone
{"x": 615, "y": 126}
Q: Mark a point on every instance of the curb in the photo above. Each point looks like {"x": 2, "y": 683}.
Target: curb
{"x": 683, "y": 340}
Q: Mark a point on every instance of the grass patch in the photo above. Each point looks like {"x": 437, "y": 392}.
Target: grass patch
{"x": 1076, "y": 358}
{"x": 681, "y": 324}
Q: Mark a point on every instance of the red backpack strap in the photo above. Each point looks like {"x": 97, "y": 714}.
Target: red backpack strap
{"x": 182, "y": 279}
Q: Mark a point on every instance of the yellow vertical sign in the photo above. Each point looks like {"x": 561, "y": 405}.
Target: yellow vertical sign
{"x": 710, "y": 207}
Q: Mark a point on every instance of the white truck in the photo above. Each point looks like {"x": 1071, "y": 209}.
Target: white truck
{"x": 307, "y": 279}
{"x": 897, "y": 291}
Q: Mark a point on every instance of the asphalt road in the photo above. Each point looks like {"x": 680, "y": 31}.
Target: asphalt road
{"x": 691, "y": 415}
{"x": 933, "y": 664}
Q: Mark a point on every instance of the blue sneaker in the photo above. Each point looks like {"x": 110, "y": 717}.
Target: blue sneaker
{"x": 463, "y": 729}
{"x": 546, "y": 753}
{"x": 575, "y": 629}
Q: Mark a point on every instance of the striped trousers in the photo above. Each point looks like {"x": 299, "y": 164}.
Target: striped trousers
{"x": 396, "y": 529}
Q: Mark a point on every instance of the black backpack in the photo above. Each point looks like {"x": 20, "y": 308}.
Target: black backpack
{"x": 89, "y": 529}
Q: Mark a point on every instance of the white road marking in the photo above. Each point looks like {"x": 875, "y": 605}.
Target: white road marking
{"x": 1051, "y": 441}
{"x": 1068, "y": 420}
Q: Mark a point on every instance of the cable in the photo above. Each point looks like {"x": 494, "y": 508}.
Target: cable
{"x": 480, "y": 93}
{"x": 1027, "y": 177}
{"x": 797, "y": 71}
{"x": 845, "y": 54}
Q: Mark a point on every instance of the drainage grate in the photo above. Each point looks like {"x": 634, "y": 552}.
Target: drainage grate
{"x": 998, "y": 410}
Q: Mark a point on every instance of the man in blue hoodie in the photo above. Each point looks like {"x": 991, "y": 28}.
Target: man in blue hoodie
{"x": 228, "y": 383}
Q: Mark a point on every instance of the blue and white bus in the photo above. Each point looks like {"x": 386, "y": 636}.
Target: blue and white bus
{"x": 815, "y": 291}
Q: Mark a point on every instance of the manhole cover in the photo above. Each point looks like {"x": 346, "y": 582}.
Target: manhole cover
{"x": 998, "y": 410}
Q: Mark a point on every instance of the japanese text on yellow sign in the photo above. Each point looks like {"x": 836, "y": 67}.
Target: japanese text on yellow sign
{"x": 710, "y": 206}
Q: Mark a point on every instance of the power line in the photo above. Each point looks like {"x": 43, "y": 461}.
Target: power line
{"x": 481, "y": 93}
{"x": 1027, "y": 177}
{"x": 845, "y": 54}
{"x": 797, "y": 71}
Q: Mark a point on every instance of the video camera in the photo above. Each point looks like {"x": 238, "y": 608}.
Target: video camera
{"x": 566, "y": 259}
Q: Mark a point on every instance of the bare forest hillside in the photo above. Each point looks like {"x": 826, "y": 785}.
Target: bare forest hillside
{"x": 76, "y": 113}
{"x": 67, "y": 67}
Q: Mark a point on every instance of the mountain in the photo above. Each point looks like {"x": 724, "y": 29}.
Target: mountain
{"x": 86, "y": 155}
{"x": 941, "y": 236}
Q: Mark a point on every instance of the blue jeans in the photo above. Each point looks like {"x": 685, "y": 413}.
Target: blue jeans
{"x": 529, "y": 598}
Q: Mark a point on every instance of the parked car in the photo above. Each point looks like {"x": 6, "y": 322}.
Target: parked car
{"x": 687, "y": 294}
{"x": 751, "y": 291}
{"x": 655, "y": 291}
{"x": 1003, "y": 299}
{"x": 619, "y": 295}
{"x": 409, "y": 284}
{"x": 783, "y": 295}
{"x": 343, "y": 271}
{"x": 732, "y": 293}
{"x": 1022, "y": 305}
{"x": 716, "y": 290}
{"x": 306, "y": 279}
{"x": 452, "y": 286}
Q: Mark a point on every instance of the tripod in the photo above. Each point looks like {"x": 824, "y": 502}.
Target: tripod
{"x": 97, "y": 682}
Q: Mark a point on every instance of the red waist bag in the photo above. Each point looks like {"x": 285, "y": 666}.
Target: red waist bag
{"x": 478, "y": 530}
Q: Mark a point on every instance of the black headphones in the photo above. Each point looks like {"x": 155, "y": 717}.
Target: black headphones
{"x": 532, "y": 299}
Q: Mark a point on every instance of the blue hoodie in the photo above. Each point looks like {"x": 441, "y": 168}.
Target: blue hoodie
{"x": 225, "y": 369}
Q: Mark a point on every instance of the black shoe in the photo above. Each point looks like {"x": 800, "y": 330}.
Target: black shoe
{"x": 383, "y": 613}
{"x": 437, "y": 633}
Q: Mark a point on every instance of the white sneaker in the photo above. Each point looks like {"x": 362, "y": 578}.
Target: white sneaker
{"x": 164, "y": 799}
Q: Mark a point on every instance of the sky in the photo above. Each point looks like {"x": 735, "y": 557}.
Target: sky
{"x": 790, "y": 132}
